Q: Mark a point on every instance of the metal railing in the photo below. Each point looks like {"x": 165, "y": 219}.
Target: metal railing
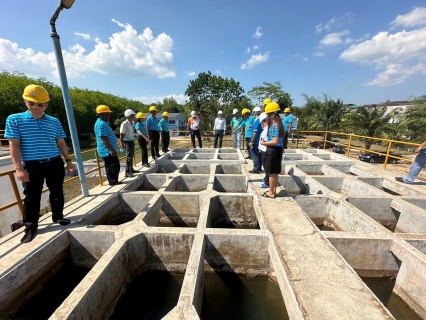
{"x": 18, "y": 200}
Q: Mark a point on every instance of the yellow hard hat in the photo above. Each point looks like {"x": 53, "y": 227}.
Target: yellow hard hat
{"x": 244, "y": 111}
{"x": 140, "y": 115}
{"x": 165, "y": 114}
{"x": 272, "y": 107}
{"x": 286, "y": 110}
{"x": 152, "y": 108}
{"x": 266, "y": 101}
{"x": 102, "y": 109}
{"x": 35, "y": 93}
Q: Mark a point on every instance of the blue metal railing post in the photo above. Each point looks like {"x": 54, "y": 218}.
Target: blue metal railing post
{"x": 68, "y": 104}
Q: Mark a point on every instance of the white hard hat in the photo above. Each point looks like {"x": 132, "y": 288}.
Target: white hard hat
{"x": 193, "y": 113}
{"x": 262, "y": 116}
{"x": 128, "y": 113}
{"x": 220, "y": 112}
{"x": 235, "y": 111}
{"x": 257, "y": 110}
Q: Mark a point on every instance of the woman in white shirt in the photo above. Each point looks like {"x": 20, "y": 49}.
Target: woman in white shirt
{"x": 263, "y": 137}
{"x": 219, "y": 129}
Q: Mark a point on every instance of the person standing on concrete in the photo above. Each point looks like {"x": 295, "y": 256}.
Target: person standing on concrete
{"x": 219, "y": 129}
{"x": 127, "y": 138}
{"x": 247, "y": 125}
{"x": 154, "y": 136}
{"x": 36, "y": 141}
{"x": 236, "y": 133}
{"x": 287, "y": 123}
{"x": 254, "y": 142}
{"x": 194, "y": 129}
{"x": 107, "y": 144}
{"x": 417, "y": 165}
{"x": 274, "y": 150}
{"x": 142, "y": 137}
{"x": 164, "y": 127}
{"x": 263, "y": 118}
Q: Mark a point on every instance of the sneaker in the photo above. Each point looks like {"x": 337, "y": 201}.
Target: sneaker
{"x": 129, "y": 175}
{"x": 400, "y": 179}
{"x": 115, "y": 183}
{"x": 134, "y": 171}
{"x": 264, "y": 186}
{"x": 63, "y": 222}
{"x": 158, "y": 155}
{"x": 28, "y": 236}
{"x": 146, "y": 165}
{"x": 254, "y": 171}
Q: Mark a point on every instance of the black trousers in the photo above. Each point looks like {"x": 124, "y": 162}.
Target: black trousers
{"x": 112, "y": 169}
{"x": 155, "y": 140}
{"x": 130, "y": 151}
{"x": 142, "y": 144}
{"x": 248, "y": 147}
{"x": 54, "y": 172}
{"x": 218, "y": 136}
{"x": 285, "y": 140}
{"x": 165, "y": 140}
{"x": 264, "y": 166}
{"x": 198, "y": 134}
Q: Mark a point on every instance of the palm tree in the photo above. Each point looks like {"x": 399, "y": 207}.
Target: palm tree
{"x": 414, "y": 122}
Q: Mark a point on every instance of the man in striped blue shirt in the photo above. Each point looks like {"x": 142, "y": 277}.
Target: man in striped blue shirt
{"x": 107, "y": 144}
{"x": 36, "y": 141}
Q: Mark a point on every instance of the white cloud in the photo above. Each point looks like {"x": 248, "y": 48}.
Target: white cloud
{"x": 335, "y": 21}
{"x": 255, "y": 47}
{"x": 248, "y": 50}
{"x": 333, "y": 39}
{"x": 305, "y": 59}
{"x": 191, "y": 74}
{"x": 126, "y": 53}
{"x": 417, "y": 17}
{"x": 349, "y": 40}
{"x": 319, "y": 54}
{"x": 363, "y": 38}
{"x": 321, "y": 27}
{"x": 396, "y": 74}
{"x": 180, "y": 98}
{"x": 255, "y": 59}
{"x": 218, "y": 72}
{"x": 85, "y": 36}
{"x": 258, "y": 34}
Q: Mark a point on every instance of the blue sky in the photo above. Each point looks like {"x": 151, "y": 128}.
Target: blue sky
{"x": 359, "y": 51}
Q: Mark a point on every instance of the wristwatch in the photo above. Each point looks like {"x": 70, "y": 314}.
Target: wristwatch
{"x": 67, "y": 160}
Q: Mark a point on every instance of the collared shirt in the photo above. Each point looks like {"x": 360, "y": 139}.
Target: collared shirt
{"x": 286, "y": 121}
{"x": 236, "y": 122}
{"x": 152, "y": 123}
{"x": 248, "y": 126}
{"x": 194, "y": 123}
{"x": 274, "y": 132}
{"x": 128, "y": 129}
{"x": 141, "y": 126}
{"x": 257, "y": 127}
{"x": 219, "y": 124}
{"x": 163, "y": 125}
{"x": 103, "y": 129}
{"x": 37, "y": 136}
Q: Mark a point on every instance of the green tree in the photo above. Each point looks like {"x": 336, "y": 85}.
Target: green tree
{"x": 413, "y": 124}
{"x": 208, "y": 93}
{"x": 370, "y": 123}
{"x": 273, "y": 91}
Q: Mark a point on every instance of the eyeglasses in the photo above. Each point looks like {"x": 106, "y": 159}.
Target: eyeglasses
{"x": 33, "y": 104}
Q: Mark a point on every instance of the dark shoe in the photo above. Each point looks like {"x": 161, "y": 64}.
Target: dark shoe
{"x": 134, "y": 171}
{"x": 254, "y": 171}
{"x": 167, "y": 150}
{"x": 115, "y": 183}
{"x": 129, "y": 175}
{"x": 28, "y": 236}
{"x": 63, "y": 222}
{"x": 158, "y": 155}
{"x": 265, "y": 195}
{"x": 146, "y": 165}
{"x": 248, "y": 158}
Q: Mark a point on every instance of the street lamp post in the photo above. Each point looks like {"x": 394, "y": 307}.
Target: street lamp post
{"x": 66, "y": 94}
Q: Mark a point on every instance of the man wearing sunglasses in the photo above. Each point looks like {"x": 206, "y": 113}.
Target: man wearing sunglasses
{"x": 36, "y": 141}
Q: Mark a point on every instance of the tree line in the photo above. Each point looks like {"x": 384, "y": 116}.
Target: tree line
{"x": 208, "y": 93}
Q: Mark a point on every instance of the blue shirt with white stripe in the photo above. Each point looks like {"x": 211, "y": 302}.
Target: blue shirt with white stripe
{"x": 103, "y": 129}
{"x": 140, "y": 126}
{"x": 274, "y": 132}
{"x": 257, "y": 127}
{"x": 37, "y": 136}
{"x": 152, "y": 123}
{"x": 163, "y": 125}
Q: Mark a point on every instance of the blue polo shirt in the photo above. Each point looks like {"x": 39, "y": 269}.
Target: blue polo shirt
{"x": 163, "y": 125}
{"x": 286, "y": 121}
{"x": 152, "y": 123}
{"x": 274, "y": 132}
{"x": 257, "y": 127}
{"x": 248, "y": 126}
{"x": 142, "y": 127}
{"x": 37, "y": 136}
{"x": 103, "y": 129}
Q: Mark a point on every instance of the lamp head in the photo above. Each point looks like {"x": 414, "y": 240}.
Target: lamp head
{"x": 67, "y": 3}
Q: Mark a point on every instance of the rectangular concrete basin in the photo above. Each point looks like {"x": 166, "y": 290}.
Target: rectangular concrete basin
{"x": 152, "y": 182}
{"x": 228, "y": 156}
{"x": 228, "y": 169}
{"x": 299, "y": 185}
{"x": 195, "y": 169}
{"x": 232, "y": 212}
{"x": 200, "y": 156}
{"x": 188, "y": 183}
{"x": 347, "y": 186}
{"x": 228, "y": 151}
{"x": 392, "y": 187}
{"x": 230, "y": 184}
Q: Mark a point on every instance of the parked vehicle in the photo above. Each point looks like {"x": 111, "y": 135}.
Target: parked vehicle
{"x": 335, "y": 140}
{"x": 375, "y": 158}
{"x": 339, "y": 149}
{"x": 320, "y": 145}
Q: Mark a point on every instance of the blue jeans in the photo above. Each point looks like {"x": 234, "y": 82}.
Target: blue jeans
{"x": 256, "y": 157}
{"x": 416, "y": 167}
{"x": 218, "y": 135}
